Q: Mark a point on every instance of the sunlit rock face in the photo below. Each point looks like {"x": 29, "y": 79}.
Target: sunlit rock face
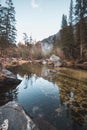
{"x": 48, "y": 43}
{"x": 46, "y": 47}
{"x": 13, "y": 117}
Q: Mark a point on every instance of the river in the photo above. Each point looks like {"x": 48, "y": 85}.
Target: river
{"x": 54, "y": 98}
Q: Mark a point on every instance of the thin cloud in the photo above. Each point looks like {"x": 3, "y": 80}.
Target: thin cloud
{"x": 34, "y": 4}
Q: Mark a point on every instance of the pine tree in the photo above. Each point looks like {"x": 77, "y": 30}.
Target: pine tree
{"x": 71, "y": 32}
{"x": 64, "y": 21}
{"x": 26, "y": 38}
{"x": 81, "y": 25}
{"x": 71, "y": 13}
{"x": 10, "y": 22}
{"x": 0, "y": 20}
{"x": 7, "y": 25}
{"x": 2, "y": 26}
{"x": 65, "y": 36}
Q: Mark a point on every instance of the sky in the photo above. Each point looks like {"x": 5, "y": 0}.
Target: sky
{"x": 39, "y": 18}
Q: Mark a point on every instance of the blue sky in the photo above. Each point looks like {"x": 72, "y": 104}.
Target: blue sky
{"x": 39, "y": 18}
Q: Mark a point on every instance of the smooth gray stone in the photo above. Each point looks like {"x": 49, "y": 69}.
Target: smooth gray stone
{"x": 13, "y": 117}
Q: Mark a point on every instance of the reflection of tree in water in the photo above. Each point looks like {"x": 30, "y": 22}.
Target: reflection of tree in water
{"x": 8, "y": 93}
{"x": 27, "y": 68}
{"x": 33, "y": 79}
{"x": 73, "y": 95}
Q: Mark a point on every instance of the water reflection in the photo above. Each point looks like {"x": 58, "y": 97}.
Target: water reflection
{"x": 59, "y": 102}
{"x": 43, "y": 99}
{"x": 40, "y": 98}
{"x": 45, "y": 71}
{"x": 37, "y": 86}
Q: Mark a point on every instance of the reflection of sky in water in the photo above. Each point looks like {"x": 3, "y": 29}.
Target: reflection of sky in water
{"x": 40, "y": 84}
{"x": 37, "y": 94}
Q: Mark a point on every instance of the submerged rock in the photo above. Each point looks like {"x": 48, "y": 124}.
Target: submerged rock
{"x": 13, "y": 117}
{"x": 44, "y": 124}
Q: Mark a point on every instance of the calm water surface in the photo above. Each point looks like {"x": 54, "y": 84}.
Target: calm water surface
{"x": 59, "y": 101}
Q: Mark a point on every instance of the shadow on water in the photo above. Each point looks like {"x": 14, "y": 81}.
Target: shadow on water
{"x": 59, "y": 103}
{"x": 8, "y": 93}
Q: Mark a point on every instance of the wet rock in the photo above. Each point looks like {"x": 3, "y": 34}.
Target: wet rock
{"x": 8, "y": 74}
{"x": 13, "y": 117}
{"x": 8, "y": 78}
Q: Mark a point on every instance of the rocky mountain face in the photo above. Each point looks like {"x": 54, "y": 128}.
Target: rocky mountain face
{"x": 48, "y": 43}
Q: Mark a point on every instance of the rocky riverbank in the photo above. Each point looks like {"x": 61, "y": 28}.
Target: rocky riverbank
{"x": 53, "y": 61}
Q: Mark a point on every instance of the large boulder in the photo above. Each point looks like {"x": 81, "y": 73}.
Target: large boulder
{"x": 8, "y": 74}
{"x": 13, "y": 117}
{"x": 8, "y": 78}
{"x": 56, "y": 60}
